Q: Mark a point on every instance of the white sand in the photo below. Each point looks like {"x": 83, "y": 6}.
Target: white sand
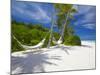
{"x": 55, "y": 59}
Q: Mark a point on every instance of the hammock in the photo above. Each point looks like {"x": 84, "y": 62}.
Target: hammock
{"x": 62, "y": 33}
{"x": 39, "y": 45}
{"x": 57, "y": 42}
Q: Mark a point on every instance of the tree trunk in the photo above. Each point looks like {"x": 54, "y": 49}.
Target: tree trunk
{"x": 50, "y": 39}
{"x": 62, "y": 34}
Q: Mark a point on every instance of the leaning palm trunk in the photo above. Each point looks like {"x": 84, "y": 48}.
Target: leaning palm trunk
{"x": 62, "y": 33}
{"x": 50, "y": 38}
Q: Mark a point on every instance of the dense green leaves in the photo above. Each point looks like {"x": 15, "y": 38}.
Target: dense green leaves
{"x": 62, "y": 8}
{"x": 64, "y": 15}
{"x": 73, "y": 40}
{"x": 26, "y": 34}
{"x": 29, "y": 34}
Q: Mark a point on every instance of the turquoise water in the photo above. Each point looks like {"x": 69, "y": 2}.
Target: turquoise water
{"x": 89, "y": 40}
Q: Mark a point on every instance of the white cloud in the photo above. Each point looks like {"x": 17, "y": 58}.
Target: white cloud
{"x": 86, "y": 16}
{"x": 89, "y": 26}
{"x": 83, "y": 9}
{"x": 35, "y": 13}
{"x": 42, "y": 14}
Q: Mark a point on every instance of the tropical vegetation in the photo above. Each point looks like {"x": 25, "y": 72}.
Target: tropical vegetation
{"x": 32, "y": 34}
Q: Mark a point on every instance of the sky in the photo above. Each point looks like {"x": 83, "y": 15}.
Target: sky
{"x": 84, "y": 23}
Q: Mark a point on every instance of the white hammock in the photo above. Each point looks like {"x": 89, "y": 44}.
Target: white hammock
{"x": 57, "y": 42}
{"x": 62, "y": 34}
{"x": 39, "y": 45}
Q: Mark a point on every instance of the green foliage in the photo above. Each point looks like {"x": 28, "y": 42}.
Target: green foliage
{"x": 56, "y": 35}
{"x": 72, "y": 40}
{"x": 63, "y": 8}
{"x": 28, "y": 34}
{"x": 47, "y": 40}
{"x": 15, "y": 46}
{"x": 64, "y": 15}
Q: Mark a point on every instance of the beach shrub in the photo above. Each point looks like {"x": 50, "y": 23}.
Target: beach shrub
{"x": 32, "y": 34}
{"x": 47, "y": 40}
{"x": 73, "y": 40}
{"x": 15, "y": 46}
{"x": 29, "y": 35}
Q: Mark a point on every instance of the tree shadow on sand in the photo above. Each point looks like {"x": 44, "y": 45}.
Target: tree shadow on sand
{"x": 63, "y": 48}
{"x": 67, "y": 49}
{"x": 86, "y": 46}
{"x": 31, "y": 63}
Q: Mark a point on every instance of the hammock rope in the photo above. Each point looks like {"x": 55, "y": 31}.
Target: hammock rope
{"x": 39, "y": 45}
{"x": 62, "y": 33}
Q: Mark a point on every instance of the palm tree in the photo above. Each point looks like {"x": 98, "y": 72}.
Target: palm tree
{"x": 51, "y": 31}
{"x": 64, "y": 13}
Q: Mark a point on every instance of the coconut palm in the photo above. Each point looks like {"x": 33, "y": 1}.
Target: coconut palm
{"x": 64, "y": 13}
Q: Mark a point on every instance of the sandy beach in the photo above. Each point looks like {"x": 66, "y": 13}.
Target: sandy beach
{"x": 56, "y": 58}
